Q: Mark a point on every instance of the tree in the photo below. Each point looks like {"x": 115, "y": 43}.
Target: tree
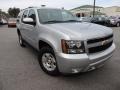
{"x": 13, "y": 12}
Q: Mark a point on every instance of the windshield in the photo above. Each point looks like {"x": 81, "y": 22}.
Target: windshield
{"x": 55, "y": 16}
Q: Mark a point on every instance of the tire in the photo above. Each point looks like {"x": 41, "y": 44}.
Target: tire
{"x": 118, "y": 25}
{"x": 21, "y": 41}
{"x": 47, "y": 61}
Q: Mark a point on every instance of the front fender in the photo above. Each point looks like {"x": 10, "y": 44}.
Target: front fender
{"x": 54, "y": 42}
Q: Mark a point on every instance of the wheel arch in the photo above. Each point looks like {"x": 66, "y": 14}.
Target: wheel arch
{"x": 43, "y": 43}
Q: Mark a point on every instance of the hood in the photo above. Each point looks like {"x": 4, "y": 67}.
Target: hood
{"x": 81, "y": 30}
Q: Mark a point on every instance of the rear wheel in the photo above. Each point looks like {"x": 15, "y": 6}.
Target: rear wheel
{"x": 21, "y": 41}
{"x": 47, "y": 61}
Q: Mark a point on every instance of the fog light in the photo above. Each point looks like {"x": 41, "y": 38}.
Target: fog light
{"x": 91, "y": 68}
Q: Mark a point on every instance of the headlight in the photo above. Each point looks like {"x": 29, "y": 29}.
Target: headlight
{"x": 112, "y": 21}
{"x": 72, "y": 46}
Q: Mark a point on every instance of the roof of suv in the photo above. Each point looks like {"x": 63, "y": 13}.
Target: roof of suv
{"x": 40, "y": 8}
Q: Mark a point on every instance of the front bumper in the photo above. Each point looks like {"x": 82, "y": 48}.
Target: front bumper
{"x": 113, "y": 23}
{"x": 75, "y": 63}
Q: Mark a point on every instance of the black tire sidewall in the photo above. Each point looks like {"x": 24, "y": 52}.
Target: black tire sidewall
{"x": 22, "y": 42}
{"x": 47, "y": 50}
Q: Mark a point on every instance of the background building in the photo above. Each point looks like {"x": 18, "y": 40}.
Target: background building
{"x": 112, "y": 11}
{"x": 87, "y": 10}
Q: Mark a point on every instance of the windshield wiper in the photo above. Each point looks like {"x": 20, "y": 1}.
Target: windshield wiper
{"x": 56, "y": 21}
{"x": 72, "y": 21}
{"x": 53, "y": 21}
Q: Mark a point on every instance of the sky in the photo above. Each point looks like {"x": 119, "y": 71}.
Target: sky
{"x": 67, "y": 4}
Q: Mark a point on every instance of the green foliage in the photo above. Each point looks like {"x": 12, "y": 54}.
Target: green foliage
{"x": 13, "y": 12}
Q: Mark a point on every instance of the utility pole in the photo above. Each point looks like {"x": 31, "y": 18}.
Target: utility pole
{"x": 94, "y": 8}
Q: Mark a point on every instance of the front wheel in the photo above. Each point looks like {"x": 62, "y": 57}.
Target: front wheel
{"x": 47, "y": 61}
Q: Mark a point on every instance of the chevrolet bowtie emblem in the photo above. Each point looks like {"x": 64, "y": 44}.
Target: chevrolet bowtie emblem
{"x": 104, "y": 42}
{"x": 78, "y": 44}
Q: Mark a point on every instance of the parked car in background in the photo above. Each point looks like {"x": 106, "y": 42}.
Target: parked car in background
{"x": 81, "y": 18}
{"x": 115, "y": 21}
{"x": 100, "y": 20}
{"x": 87, "y": 19}
{"x": 97, "y": 20}
{"x": 3, "y": 22}
{"x": 12, "y": 22}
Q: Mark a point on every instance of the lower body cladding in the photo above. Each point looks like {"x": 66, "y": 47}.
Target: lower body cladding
{"x": 75, "y": 63}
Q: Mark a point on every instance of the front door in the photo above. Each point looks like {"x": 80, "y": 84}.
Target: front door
{"x": 31, "y": 29}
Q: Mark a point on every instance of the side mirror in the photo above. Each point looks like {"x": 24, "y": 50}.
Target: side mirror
{"x": 29, "y": 21}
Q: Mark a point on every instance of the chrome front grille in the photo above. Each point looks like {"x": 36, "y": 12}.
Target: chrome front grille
{"x": 99, "y": 44}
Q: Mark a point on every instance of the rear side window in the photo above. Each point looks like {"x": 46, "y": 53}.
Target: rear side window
{"x": 24, "y": 14}
{"x": 32, "y": 14}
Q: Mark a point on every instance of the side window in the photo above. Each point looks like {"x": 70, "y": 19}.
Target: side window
{"x": 32, "y": 14}
{"x": 24, "y": 14}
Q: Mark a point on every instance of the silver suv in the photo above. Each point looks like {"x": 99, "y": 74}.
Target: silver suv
{"x": 115, "y": 21}
{"x": 65, "y": 45}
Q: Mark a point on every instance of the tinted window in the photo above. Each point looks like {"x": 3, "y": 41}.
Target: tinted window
{"x": 32, "y": 14}
{"x": 24, "y": 14}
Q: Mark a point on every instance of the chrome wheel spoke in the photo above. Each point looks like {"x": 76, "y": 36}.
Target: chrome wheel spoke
{"x": 48, "y": 61}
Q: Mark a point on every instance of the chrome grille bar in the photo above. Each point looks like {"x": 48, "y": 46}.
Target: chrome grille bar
{"x": 99, "y": 44}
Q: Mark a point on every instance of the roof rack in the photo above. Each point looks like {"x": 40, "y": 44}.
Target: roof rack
{"x": 33, "y": 7}
{"x": 28, "y": 7}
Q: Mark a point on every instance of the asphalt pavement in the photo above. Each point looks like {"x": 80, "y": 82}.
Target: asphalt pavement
{"x": 19, "y": 69}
